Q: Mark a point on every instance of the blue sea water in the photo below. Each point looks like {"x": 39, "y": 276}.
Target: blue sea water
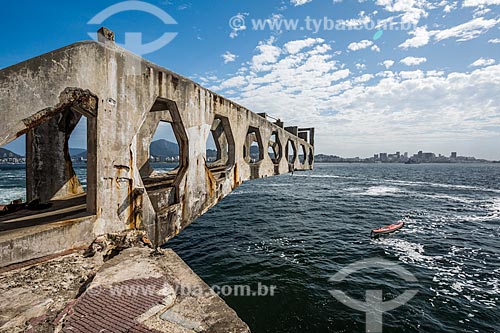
{"x": 13, "y": 181}
{"x": 296, "y": 232}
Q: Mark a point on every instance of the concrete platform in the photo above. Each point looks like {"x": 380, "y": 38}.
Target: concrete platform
{"x": 60, "y": 210}
{"x": 134, "y": 291}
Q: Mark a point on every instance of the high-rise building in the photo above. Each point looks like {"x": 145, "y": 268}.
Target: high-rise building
{"x": 454, "y": 154}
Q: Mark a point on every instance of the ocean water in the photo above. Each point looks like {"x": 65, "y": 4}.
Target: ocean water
{"x": 13, "y": 181}
{"x": 296, "y": 232}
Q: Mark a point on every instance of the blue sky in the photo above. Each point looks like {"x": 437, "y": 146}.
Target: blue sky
{"x": 429, "y": 83}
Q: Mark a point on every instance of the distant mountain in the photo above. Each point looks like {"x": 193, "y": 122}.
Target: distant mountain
{"x": 5, "y": 153}
{"x": 164, "y": 148}
{"x": 159, "y": 148}
{"x": 73, "y": 152}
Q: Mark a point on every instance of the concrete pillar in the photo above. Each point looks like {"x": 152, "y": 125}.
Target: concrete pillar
{"x": 49, "y": 171}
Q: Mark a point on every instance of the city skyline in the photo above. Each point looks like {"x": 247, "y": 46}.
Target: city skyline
{"x": 397, "y": 156}
{"x": 418, "y": 156}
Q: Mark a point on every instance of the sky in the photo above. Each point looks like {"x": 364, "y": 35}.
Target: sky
{"x": 370, "y": 75}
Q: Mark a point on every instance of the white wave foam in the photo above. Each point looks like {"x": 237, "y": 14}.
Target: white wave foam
{"x": 240, "y": 192}
{"x": 381, "y": 191}
{"x": 453, "y": 275}
{"x": 408, "y": 252}
{"x": 7, "y": 195}
{"x": 492, "y": 212}
{"x": 325, "y": 176}
{"x": 442, "y": 185}
{"x": 446, "y": 197}
{"x": 495, "y": 206}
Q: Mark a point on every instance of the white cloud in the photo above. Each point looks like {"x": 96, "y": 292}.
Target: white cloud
{"x": 299, "y": 2}
{"x": 364, "y": 78}
{"x": 463, "y": 32}
{"x": 268, "y": 54}
{"x": 375, "y": 48}
{"x": 494, "y": 41}
{"x": 466, "y": 31}
{"x": 354, "y": 23}
{"x": 355, "y": 46}
{"x": 448, "y": 7}
{"x": 417, "y": 110}
{"x": 229, "y": 57}
{"x": 295, "y": 46}
{"x": 412, "y": 61}
{"x": 388, "y": 110}
{"x": 475, "y": 3}
{"x": 388, "y": 63}
{"x": 234, "y": 82}
{"x": 420, "y": 38}
{"x": 483, "y": 62}
{"x": 411, "y": 10}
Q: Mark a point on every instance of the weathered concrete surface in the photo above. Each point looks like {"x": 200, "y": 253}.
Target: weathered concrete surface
{"x": 33, "y": 296}
{"x": 25, "y": 235}
{"x": 123, "y": 98}
{"x": 133, "y": 291}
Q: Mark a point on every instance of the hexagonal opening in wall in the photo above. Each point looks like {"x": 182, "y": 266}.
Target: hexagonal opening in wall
{"x": 162, "y": 153}
{"x": 220, "y": 145}
{"x": 303, "y": 154}
{"x": 253, "y": 150}
{"x": 57, "y": 160}
{"x": 291, "y": 152}
{"x": 274, "y": 148}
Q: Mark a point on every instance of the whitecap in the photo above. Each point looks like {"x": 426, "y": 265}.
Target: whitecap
{"x": 9, "y": 194}
{"x": 381, "y": 191}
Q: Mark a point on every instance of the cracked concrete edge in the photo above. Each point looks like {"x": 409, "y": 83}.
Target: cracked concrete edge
{"x": 202, "y": 311}
{"x": 51, "y": 289}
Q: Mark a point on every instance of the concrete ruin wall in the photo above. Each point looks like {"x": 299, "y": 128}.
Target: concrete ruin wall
{"x": 123, "y": 98}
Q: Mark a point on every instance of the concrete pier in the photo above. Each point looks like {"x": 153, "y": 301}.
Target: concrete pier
{"x": 123, "y": 99}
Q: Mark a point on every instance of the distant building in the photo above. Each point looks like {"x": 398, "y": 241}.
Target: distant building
{"x": 383, "y": 157}
{"x": 454, "y": 154}
{"x": 375, "y": 157}
{"x": 428, "y": 156}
